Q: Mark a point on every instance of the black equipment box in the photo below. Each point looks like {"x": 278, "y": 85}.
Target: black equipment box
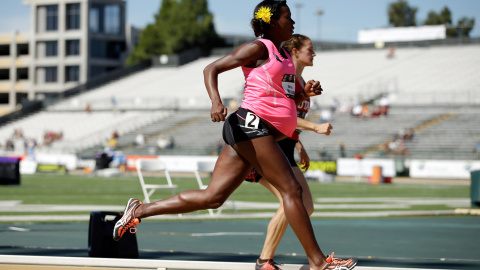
{"x": 9, "y": 171}
{"x": 100, "y": 237}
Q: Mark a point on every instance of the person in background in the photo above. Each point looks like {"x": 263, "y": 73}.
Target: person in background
{"x": 140, "y": 139}
{"x": 88, "y": 108}
{"x": 477, "y": 149}
{"x": 342, "y": 149}
{"x": 300, "y": 48}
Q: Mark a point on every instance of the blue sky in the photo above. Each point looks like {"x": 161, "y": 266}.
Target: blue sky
{"x": 340, "y": 21}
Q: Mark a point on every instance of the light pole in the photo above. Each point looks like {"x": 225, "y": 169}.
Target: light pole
{"x": 319, "y": 12}
{"x": 298, "y": 6}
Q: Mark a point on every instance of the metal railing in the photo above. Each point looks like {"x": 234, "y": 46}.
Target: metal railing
{"x": 328, "y": 46}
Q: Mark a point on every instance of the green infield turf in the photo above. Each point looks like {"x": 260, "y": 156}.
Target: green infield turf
{"x": 44, "y": 189}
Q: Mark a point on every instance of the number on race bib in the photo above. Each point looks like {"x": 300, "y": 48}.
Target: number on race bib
{"x": 252, "y": 121}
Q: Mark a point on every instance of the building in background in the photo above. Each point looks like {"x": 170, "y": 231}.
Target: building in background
{"x": 70, "y": 42}
{"x": 14, "y": 67}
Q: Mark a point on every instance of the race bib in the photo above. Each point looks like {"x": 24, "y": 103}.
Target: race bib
{"x": 252, "y": 120}
{"x": 288, "y": 84}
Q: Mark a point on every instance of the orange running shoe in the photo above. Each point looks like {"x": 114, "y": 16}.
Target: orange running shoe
{"x": 339, "y": 264}
{"x": 128, "y": 220}
{"x": 268, "y": 265}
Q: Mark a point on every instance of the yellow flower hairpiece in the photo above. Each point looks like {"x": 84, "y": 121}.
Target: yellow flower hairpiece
{"x": 264, "y": 13}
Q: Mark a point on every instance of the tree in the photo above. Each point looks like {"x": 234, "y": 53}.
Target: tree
{"x": 401, "y": 14}
{"x": 463, "y": 27}
{"x": 178, "y": 26}
{"x": 445, "y": 17}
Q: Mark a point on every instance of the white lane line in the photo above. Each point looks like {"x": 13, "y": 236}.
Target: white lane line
{"x": 18, "y": 229}
{"x": 227, "y": 233}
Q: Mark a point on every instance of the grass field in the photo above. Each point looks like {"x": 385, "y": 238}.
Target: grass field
{"x": 84, "y": 190}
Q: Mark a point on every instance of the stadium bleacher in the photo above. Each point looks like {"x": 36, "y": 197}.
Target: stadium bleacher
{"x": 422, "y": 83}
{"x": 155, "y": 88}
{"x": 79, "y": 129}
{"x": 414, "y": 76}
{"x": 456, "y": 135}
{"x": 453, "y": 138}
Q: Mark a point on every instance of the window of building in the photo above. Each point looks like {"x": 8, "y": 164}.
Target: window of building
{"x": 4, "y": 98}
{"x": 52, "y": 17}
{"x": 51, "y": 48}
{"x": 112, "y": 19}
{"x": 51, "y": 74}
{"x": 94, "y": 19}
{"x": 4, "y": 74}
{"x": 72, "y": 47}
{"x": 105, "y": 19}
{"x": 4, "y": 50}
{"x": 73, "y": 16}
{"x": 102, "y": 49}
{"x": 22, "y": 49}
{"x": 72, "y": 73}
{"x": 98, "y": 49}
{"x": 22, "y": 74}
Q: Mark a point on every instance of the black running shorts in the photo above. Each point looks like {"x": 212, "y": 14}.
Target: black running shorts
{"x": 243, "y": 125}
{"x": 288, "y": 146}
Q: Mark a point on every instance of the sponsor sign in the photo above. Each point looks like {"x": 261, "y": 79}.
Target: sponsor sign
{"x": 411, "y": 33}
{"x": 446, "y": 169}
{"x": 131, "y": 159}
{"x": 173, "y": 163}
{"x": 364, "y": 167}
{"x": 51, "y": 168}
{"x": 325, "y": 166}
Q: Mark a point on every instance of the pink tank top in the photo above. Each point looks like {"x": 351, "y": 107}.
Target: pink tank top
{"x": 269, "y": 90}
